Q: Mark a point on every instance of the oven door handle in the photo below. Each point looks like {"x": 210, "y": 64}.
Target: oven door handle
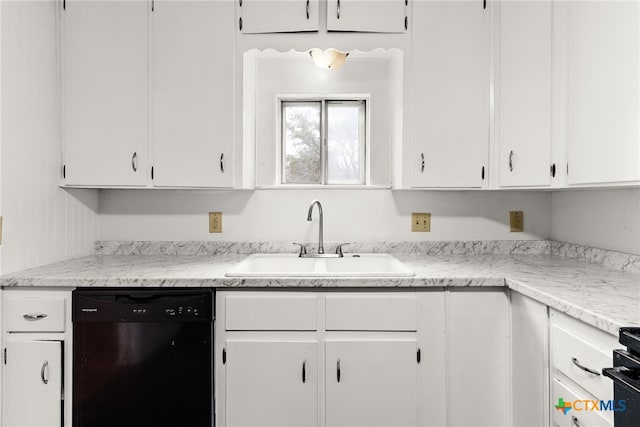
{"x": 620, "y": 377}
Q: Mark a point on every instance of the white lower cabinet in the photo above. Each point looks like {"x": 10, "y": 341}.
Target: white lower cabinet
{"x": 477, "y": 358}
{"x": 371, "y": 382}
{"x": 272, "y": 382}
{"x": 32, "y": 384}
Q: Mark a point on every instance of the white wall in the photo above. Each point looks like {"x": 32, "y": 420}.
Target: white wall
{"x": 349, "y": 215}
{"x": 606, "y": 219}
{"x": 41, "y": 222}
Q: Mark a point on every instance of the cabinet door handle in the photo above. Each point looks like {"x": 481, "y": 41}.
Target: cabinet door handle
{"x": 574, "y": 421}
{"x": 304, "y": 371}
{"x": 134, "y": 162}
{"x": 338, "y": 370}
{"x": 338, "y": 10}
{"x": 584, "y": 368}
{"x": 44, "y": 372}
{"x": 34, "y": 316}
{"x": 553, "y": 170}
{"x": 511, "y": 161}
{"x": 307, "y": 9}
{"x": 222, "y": 162}
{"x": 422, "y": 162}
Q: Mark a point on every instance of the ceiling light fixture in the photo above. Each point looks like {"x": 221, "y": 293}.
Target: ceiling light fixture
{"x": 329, "y": 59}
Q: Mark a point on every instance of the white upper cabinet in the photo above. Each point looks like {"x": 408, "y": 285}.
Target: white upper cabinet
{"x": 104, "y": 68}
{"x": 524, "y": 93}
{"x": 192, "y": 93}
{"x": 450, "y": 69}
{"x": 373, "y": 16}
{"x": 283, "y": 16}
{"x": 604, "y": 92}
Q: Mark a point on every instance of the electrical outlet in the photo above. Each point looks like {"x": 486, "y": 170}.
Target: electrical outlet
{"x": 215, "y": 222}
{"x": 516, "y": 221}
{"x": 420, "y": 222}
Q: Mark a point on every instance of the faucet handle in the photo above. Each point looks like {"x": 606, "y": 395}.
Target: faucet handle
{"x": 303, "y": 248}
{"x": 339, "y": 249}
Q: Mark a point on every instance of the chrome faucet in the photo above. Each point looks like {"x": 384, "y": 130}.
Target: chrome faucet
{"x": 321, "y": 231}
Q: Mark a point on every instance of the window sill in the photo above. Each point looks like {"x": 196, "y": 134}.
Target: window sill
{"x": 322, "y": 187}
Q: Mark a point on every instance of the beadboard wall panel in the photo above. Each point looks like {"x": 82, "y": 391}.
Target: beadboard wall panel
{"x": 42, "y": 223}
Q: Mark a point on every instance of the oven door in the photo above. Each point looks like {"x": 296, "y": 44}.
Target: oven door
{"x": 626, "y": 387}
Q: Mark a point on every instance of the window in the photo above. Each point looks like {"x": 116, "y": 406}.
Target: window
{"x": 323, "y": 142}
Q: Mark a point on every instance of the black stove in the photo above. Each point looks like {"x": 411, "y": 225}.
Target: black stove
{"x": 626, "y": 377}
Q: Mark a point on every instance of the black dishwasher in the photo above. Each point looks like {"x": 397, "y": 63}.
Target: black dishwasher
{"x": 143, "y": 357}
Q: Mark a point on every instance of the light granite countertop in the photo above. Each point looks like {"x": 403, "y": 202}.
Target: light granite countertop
{"x": 593, "y": 293}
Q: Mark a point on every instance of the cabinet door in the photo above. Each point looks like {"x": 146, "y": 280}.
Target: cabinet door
{"x": 529, "y": 361}
{"x": 279, "y": 16}
{"x": 450, "y": 94}
{"x": 372, "y": 16}
{"x": 371, "y": 382}
{"x": 193, "y": 93}
{"x": 32, "y": 384}
{"x": 105, "y": 92}
{"x": 604, "y": 92}
{"x": 271, "y": 383}
{"x": 477, "y": 356}
{"x": 524, "y": 93}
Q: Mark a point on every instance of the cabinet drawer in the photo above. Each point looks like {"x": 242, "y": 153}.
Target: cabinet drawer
{"x": 271, "y": 313}
{"x": 34, "y": 314}
{"x": 585, "y": 417}
{"x": 371, "y": 313}
{"x": 567, "y": 347}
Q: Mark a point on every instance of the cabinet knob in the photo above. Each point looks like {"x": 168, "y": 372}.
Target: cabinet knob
{"x": 574, "y": 421}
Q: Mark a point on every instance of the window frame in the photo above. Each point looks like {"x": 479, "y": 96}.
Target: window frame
{"x": 324, "y": 101}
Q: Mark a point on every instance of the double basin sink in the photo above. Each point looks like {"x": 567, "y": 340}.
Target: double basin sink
{"x": 291, "y": 265}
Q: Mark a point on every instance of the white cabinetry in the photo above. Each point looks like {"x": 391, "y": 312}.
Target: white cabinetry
{"x": 450, "y": 89}
{"x": 271, "y": 382}
{"x": 104, "y": 69}
{"x": 478, "y": 358}
{"x": 373, "y": 16}
{"x": 334, "y": 359}
{"x": 36, "y": 333}
{"x": 371, "y": 382}
{"x": 32, "y": 384}
{"x": 524, "y": 93}
{"x": 192, "y": 94}
{"x": 579, "y": 352}
{"x": 604, "y": 92}
{"x": 529, "y": 362}
{"x": 279, "y": 16}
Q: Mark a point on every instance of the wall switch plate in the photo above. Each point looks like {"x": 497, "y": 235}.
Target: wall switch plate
{"x": 420, "y": 221}
{"x": 215, "y": 222}
{"x": 516, "y": 221}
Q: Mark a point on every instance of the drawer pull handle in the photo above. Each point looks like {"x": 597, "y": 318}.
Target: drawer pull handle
{"x": 338, "y": 370}
{"x": 421, "y": 162}
{"x": 574, "y": 421}
{"x": 584, "y": 368}
{"x": 34, "y": 316}
{"x": 304, "y": 371}
{"x": 511, "y": 161}
{"x": 44, "y": 372}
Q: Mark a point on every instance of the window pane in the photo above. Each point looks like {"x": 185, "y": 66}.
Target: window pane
{"x": 345, "y": 142}
{"x": 301, "y": 142}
